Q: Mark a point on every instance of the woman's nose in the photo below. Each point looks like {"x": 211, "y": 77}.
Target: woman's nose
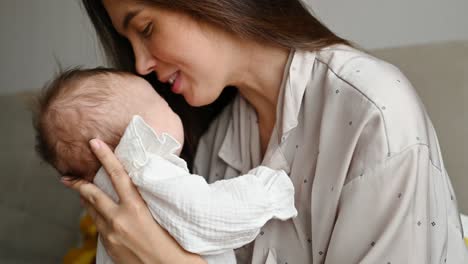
{"x": 145, "y": 63}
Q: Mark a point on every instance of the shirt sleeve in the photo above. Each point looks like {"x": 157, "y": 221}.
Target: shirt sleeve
{"x": 398, "y": 212}
{"x": 212, "y": 218}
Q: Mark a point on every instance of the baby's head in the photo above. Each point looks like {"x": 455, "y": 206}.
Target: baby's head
{"x": 80, "y": 105}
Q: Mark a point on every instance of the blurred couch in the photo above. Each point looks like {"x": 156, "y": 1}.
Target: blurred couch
{"x": 39, "y": 216}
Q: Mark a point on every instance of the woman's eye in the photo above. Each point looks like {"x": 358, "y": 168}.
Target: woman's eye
{"x": 146, "y": 32}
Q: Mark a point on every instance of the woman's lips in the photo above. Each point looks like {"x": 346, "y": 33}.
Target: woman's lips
{"x": 172, "y": 78}
{"x": 176, "y": 83}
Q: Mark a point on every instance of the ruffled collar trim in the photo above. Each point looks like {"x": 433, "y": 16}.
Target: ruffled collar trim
{"x": 140, "y": 140}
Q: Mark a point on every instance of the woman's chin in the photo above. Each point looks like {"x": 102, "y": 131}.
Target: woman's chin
{"x": 192, "y": 102}
{"x": 201, "y": 98}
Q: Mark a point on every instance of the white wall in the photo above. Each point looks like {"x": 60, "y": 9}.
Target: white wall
{"x": 382, "y": 24}
{"x": 34, "y": 33}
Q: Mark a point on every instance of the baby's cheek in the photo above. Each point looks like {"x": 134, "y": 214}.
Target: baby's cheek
{"x": 92, "y": 168}
{"x": 89, "y": 178}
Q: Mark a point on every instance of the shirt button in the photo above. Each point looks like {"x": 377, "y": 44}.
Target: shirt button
{"x": 283, "y": 138}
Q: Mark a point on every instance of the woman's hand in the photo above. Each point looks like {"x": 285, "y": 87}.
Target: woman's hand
{"x": 127, "y": 229}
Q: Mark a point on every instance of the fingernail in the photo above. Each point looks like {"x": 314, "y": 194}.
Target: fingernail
{"x": 95, "y": 143}
{"x": 66, "y": 179}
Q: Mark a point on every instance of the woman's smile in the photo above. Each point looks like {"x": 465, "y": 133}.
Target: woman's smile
{"x": 176, "y": 83}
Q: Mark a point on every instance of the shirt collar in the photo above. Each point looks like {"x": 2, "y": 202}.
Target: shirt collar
{"x": 140, "y": 140}
{"x": 296, "y": 76}
{"x": 238, "y": 148}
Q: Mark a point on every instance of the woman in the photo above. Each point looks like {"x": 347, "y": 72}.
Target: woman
{"x": 348, "y": 128}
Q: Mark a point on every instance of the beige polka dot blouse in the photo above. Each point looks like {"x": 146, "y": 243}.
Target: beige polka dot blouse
{"x": 355, "y": 139}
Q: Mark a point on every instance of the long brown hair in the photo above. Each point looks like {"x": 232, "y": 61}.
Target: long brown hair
{"x": 285, "y": 23}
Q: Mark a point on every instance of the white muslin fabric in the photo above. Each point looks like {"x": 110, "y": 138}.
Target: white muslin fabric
{"x": 206, "y": 219}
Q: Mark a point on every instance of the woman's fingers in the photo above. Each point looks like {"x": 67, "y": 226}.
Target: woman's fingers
{"x": 118, "y": 176}
{"x": 94, "y": 196}
{"x": 98, "y": 219}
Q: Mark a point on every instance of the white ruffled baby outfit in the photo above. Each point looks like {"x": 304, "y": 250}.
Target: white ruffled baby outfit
{"x": 207, "y": 219}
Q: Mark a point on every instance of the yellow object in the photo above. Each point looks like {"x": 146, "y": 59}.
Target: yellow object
{"x": 466, "y": 241}
{"x": 86, "y": 254}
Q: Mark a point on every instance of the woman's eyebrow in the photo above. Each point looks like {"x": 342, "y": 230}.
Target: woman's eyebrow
{"x": 129, "y": 16}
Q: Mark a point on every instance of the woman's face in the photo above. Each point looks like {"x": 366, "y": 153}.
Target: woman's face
{"x": 196, "y": 59}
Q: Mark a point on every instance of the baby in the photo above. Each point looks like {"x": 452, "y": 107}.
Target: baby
{"x": 124, "y": 111}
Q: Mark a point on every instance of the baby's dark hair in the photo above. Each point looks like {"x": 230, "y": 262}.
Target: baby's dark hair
{"x": 76, "y": 106}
